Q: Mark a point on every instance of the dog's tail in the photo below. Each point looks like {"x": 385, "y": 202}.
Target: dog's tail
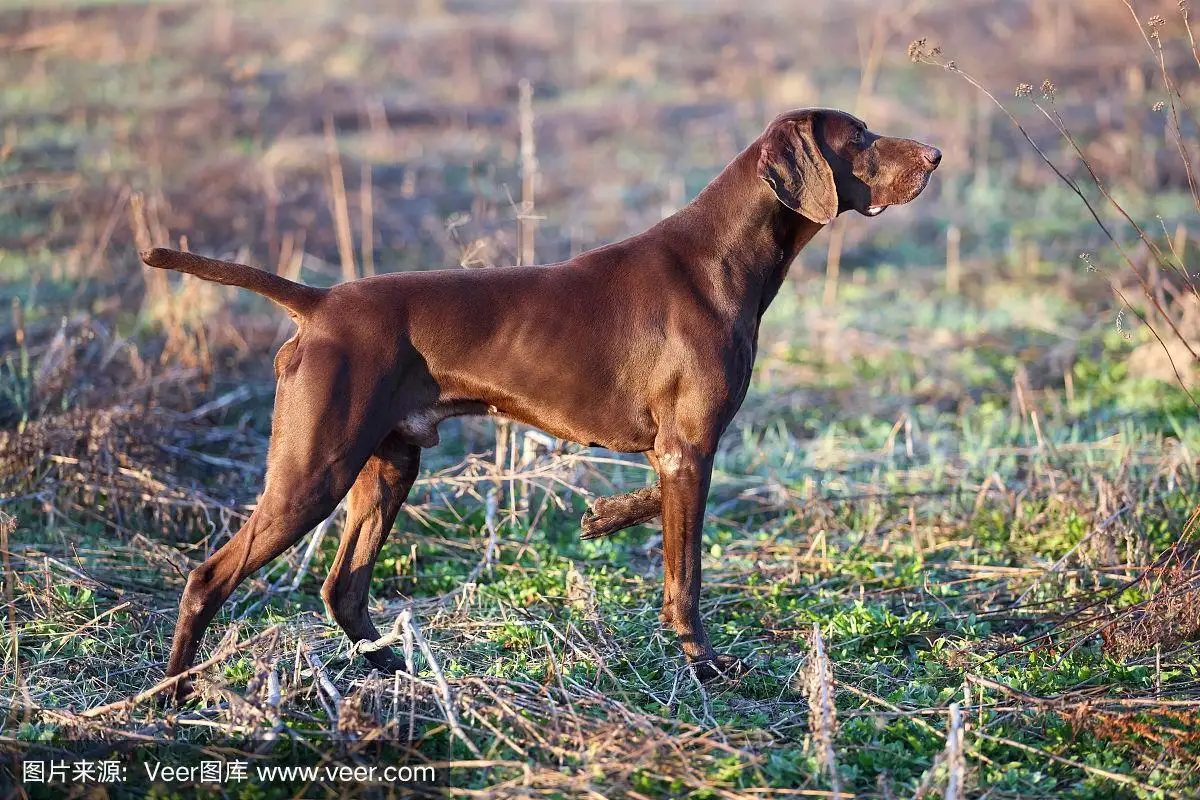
{"x": 297, "y": 298}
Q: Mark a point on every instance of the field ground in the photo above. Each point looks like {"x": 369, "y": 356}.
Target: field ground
{"x": 983, "y": 495}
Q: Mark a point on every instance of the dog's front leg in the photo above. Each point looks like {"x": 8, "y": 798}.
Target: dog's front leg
{"x": 607, "y": 515}
{"x": 685, "y": 471}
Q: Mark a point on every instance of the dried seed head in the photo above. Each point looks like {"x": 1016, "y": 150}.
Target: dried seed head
{"x": 822, "y": 708}
{"x": 1156, "y": 21}
{"x": 1023, "y": 90}
{"x": 1120, "y": 325}
{"x": 1159, "y": 106}
{"x": 1048, "y": 90}
{"x": 919, "y": 50}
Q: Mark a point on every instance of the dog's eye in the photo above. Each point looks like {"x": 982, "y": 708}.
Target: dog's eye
{"x": 858, "y": 137}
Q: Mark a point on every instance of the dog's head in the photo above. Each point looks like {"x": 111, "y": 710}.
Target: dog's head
{"x": 820, "y": 162}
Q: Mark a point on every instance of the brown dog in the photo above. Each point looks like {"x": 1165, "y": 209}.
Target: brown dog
{"x": 643, "y": 346}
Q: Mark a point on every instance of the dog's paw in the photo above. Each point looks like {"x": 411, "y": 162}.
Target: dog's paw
{"x": 607, "y": 515}
{"x": 722, "y": 666}
{"x": 386, "y": 661}
{"x": 593, "y": 526}
{"x": 176, "y": 697}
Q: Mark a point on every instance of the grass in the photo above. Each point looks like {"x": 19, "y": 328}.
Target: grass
{"x": 983, "y": 500}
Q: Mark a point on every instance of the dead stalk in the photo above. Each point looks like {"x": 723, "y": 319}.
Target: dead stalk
{"x": 366, "y": 204}
{"x": 822, "y": 711}
{"x": 406, "y": 626}
{"x": 922, "y": 54}
{"x": 339, "y": 208}
{"x": 223, "y": 652}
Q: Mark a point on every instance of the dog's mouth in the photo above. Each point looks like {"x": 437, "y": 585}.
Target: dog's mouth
{"x": 898, "y": 193}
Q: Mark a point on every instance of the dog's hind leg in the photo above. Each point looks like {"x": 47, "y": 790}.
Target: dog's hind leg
{"x": 317, "y": 450}
{"x": 277, "y": 523}
{"x": 374, "y": 501}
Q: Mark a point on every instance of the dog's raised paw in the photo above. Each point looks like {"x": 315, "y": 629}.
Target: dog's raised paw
{"x": 607, "y": 515}
{"x": 593, "y": 526}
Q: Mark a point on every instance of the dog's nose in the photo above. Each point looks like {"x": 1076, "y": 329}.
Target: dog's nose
{"x": 932, "y": 155}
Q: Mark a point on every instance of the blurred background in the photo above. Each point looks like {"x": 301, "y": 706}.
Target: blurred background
{"x": 946, "y": 393}
{"x": 267, "y": 130}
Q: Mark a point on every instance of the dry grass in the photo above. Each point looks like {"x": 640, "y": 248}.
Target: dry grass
{"x": 961, "y": 468}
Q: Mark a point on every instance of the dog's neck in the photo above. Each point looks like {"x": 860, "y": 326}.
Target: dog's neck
{"x": 747, "y": 241}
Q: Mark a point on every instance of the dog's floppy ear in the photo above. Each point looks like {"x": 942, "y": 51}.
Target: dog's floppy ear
{"x": 792, "y": 165}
